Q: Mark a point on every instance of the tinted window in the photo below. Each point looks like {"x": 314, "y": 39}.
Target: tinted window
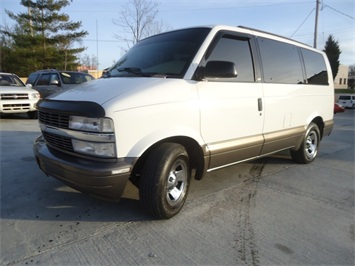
{"x": 165, "y": 54}
{"x": 236, "y": 50}
{"x": 32, "y": 78}
{"x": 316, "y": 70}
{"x": 10, "y": 80}
{"x": 74, "y": 77}
{"x": 281, "y": 62}
{"x": 44, "y": 79}
{"x": 47, "y": 79}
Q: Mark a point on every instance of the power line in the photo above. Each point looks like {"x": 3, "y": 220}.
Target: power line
{"x": 346, "y": 15}
{"x": 303, "y": 22}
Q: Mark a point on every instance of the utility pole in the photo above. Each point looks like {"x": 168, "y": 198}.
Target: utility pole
{"x": 30, "y": 15}
{"x": 97, "y": 49}
{"x": 316, "y": 25}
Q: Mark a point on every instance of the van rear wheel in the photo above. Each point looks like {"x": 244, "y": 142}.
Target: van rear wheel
{"x": 309, "y": 147}
{"x": 165, "y": 181}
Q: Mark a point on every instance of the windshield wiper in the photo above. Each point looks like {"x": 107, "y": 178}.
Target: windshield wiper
{"x": 133, "y": 70}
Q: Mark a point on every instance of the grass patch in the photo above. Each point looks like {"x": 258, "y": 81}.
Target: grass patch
{"x": 344, "y": 91}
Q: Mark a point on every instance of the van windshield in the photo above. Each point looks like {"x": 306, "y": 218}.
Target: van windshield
{"x": 168, "y": 54}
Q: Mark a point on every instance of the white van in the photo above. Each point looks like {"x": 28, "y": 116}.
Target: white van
{"x": 183, "y": 103}
{"x": 347, "y": 100}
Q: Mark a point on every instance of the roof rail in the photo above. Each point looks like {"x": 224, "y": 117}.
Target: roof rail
{"x": 273, "y": 34}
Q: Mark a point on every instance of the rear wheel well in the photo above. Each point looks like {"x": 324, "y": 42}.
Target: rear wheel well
{"x": 319, "y": 122}
{"x": 194, "y": 150}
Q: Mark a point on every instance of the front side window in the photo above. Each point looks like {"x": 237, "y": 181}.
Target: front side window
{"x": 237, "y": 50}
{"x": 44, "y": 79}
{"x": 281, "y": 62}
{"x": 48, "y": 79}
{"x": 32, "y": 78}
{"x": 168, "y": 54}
{"x": 316, "y": 70}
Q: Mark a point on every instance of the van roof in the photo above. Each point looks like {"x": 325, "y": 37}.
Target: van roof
{"x": 253, "y": 31}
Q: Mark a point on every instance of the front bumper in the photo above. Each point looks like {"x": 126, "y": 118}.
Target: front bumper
{"x": 104, "y": 180}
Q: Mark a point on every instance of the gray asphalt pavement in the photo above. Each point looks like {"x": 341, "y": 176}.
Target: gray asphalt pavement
{"x": 267, "y": 212}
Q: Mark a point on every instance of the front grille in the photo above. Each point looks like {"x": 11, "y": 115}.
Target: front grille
{"x": 58, "y": 121}
{"x": 58, "y": 142}
{"x": 16, "y": 107}
{"x": 53, "y": 119}
{"x": 14, "y": 96}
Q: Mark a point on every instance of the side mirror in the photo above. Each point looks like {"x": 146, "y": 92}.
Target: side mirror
{"x": 29, "y": 85}
{"x": 218, "y": 69}
{"x": 55, "y": 82}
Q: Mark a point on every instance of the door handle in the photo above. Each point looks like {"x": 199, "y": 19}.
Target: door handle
{"x": 260, "y": 104}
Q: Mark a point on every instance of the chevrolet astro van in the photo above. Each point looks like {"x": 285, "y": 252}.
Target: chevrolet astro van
{"x": 183, "y": 103}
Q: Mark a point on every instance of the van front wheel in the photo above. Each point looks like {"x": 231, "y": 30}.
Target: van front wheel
{"x": 165, "y": 181}
{"x": 309, "y": 147}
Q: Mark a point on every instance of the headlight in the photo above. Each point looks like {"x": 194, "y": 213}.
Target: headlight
{"x": 91, "y": 124}
{"x": 34, "y": 95}
{"x": 94, "y": 148}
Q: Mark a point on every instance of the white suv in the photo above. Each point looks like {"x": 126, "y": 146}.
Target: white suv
{"x": 347, "y": 101}
{"x": 182, "y": 103}
{"x": 15, "y": 97}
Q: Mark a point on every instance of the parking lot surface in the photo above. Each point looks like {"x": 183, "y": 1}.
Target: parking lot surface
{"x": 266, "y": 212}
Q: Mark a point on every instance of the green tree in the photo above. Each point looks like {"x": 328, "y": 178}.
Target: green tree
{"x": 333, "y": 52}
{"x": 42, "y": 38}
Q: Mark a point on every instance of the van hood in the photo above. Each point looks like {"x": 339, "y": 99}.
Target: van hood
{"x": 103, "y": 90}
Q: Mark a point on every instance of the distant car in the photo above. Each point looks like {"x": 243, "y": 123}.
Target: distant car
{"x": 347, "y": 100}
{"x": 15, "y": 97}
{"x": 48, "y": 82}
{"x": 338, "y": 108}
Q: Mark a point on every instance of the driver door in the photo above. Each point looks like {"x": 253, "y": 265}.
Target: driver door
{"x": 232, "y": 117}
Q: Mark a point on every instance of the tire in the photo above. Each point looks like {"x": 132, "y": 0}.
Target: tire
{"x": 32, "y": 114}
{"x": 309, "y": 147}
{"x": 165, "y": 181}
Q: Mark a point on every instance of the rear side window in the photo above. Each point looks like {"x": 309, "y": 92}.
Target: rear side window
{"x": 316, "y": 70}
{"x": 344, "y": 97}
{"x": 281, "y": 62}
{"x": 236, "y": 50}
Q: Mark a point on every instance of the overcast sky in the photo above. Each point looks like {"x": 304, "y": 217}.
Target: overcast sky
{"x": 295, "y": 19}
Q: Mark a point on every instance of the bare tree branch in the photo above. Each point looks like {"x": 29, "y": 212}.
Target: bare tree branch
{"x": 137, "y": 21}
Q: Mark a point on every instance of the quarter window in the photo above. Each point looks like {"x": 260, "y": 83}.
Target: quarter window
{"x": 281, "y": 62}
{"x": 316, "y": 70}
